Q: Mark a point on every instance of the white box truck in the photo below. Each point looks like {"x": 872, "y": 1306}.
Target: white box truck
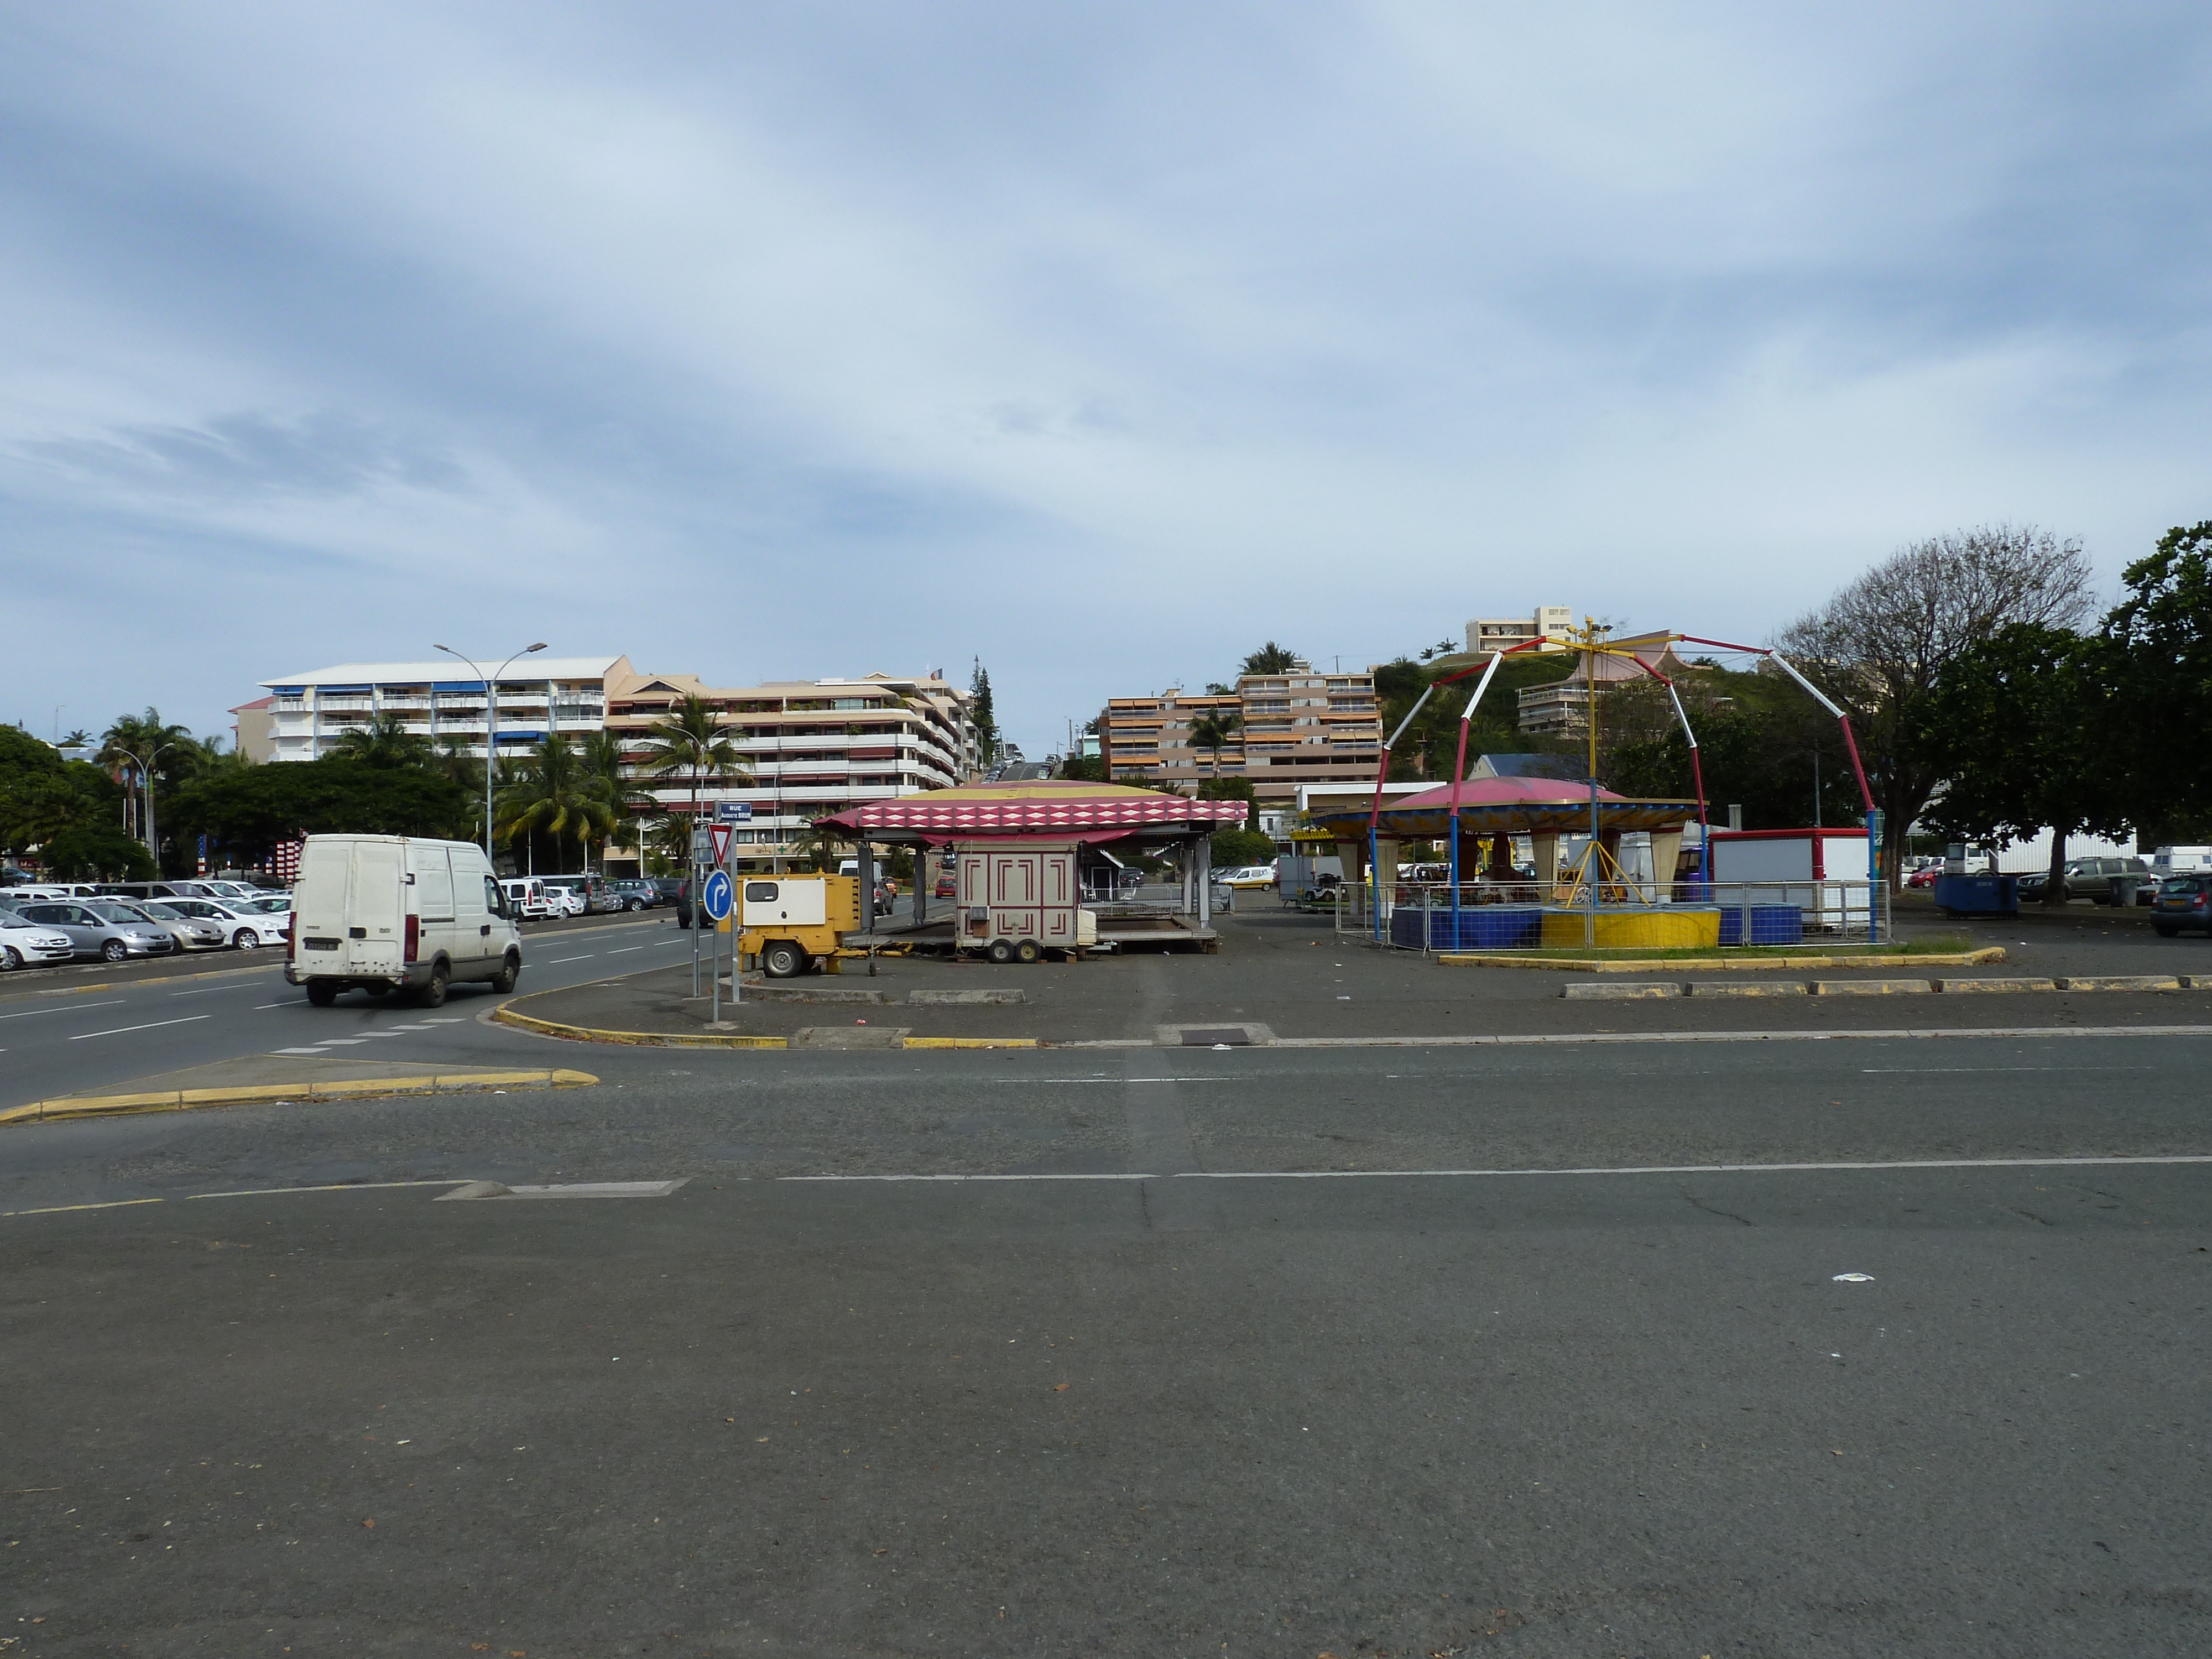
{"x": 392, "y": 913}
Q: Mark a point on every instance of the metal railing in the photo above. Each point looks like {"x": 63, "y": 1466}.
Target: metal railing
{"x": 1505, "y": 917}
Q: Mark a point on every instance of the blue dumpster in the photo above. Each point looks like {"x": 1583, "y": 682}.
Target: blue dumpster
{"x": 1978, "y": 896}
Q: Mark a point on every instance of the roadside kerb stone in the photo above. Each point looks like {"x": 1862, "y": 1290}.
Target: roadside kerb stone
{"x": 1619, "y": 993}
{"x": 1872, "y": 987}
{"x": 2022, "y": 982}
{"x": 1234, "y": 1032}
{"x": 849, "y": 1037}
{"x": 1978, "y": 958}
{"x": 186, "y": 1100}
{"x": 2121, "y": 982}
{"x": 1736, "y": 988}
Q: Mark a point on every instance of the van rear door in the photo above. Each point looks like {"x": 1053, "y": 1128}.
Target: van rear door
{"x": 376, "y": 908}
{"x": 318, "y": 906}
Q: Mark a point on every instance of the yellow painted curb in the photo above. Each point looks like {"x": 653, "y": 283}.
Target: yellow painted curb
{"x": 1680, "y": 964}
{"x": 506, "y": 1015}
{"x": 172, "y": 1100}
{"x": 969, "y": 1042}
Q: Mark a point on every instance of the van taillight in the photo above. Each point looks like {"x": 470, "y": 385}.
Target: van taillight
{"x": 292, "y": 936}
{"x": 414, "y": 936}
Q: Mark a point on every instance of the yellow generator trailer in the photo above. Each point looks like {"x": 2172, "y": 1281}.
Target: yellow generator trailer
{"x": 789, "y": 923}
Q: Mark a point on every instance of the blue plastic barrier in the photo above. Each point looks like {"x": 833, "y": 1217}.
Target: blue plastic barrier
{"x": 1481, "y": 927}
{"x": 1770, "y": 923}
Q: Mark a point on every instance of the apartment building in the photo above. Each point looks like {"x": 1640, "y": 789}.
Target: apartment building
{"x": 807, "y": 747}
{"x": 441, "y": 701}
{"x": 1149, "y": 740}
{"x": 1488, "y": 633}
{"x": 1299, "y": 727}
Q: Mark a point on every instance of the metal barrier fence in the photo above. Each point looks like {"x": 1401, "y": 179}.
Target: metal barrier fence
{"x": 1507, "y": 916}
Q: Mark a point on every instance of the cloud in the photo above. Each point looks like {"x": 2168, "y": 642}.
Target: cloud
{"x": 1100, "y": 342}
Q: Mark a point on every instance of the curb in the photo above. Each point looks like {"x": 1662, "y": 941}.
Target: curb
{"x": 555, "y": 1028}
{"x": 1989, "y": 984}
{"x": 186, "y": 1100}
{"x": 1662, "y": 965}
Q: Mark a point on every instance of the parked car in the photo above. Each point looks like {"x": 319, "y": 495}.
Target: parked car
{"x": 526, "y": 899}
{"x": 1924, "y": 878}
{"x": 102, "y": 932}
{"x": 2092, "y": 879}
{"x": 30, "y": 944}
{"x": 667, "y": 886}
{"x": 594, "y": 896}
{"x": 243, "y": 928}
{"x": 635, "y": 893}
{"x": 192, "y": 933}
{"x": 2181, "y": 902}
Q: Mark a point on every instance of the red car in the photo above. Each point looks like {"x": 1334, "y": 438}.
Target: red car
{"x": 948, "y": 886}
{"x": 1924, "y": 878}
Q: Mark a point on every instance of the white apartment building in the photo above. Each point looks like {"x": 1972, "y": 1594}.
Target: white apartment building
{"x": 440, "y": 700}
{"x": 1488, "y": 633}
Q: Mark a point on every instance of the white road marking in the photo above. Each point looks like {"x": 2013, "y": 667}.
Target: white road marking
{"x": 558, "y": 960}
{"x": 297, "y": 1051}
{"x": 150, "y": 1025}
{"x": 64, "y": 1008}
{"x": 448, "y": 1020}
{"x": 295, "y": 1003}
{"x": 1639, "y": 1169}
{"x": 344, "y": 1041}
{"x": 626, "y": 949}
{"x": 1124, "y": 1079}
{"x": 210, "y": 990}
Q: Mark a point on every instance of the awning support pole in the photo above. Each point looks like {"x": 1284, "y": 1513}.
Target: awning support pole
{"x": 1459, "y": 772}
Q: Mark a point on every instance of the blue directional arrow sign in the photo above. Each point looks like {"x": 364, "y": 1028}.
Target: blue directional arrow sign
{"x": 714, "y": 896}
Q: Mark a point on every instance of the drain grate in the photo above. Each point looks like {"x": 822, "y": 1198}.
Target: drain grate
{"x": 1195, "y": 1037}
{"x": 476, "y": 1189}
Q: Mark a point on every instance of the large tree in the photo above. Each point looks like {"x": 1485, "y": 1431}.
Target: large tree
{"x": 984, "y": 713}
{"x": 689, "y": 741}
{"x": 151, "y": 754}
{"x": 251, "y": 810}
{"x": 2015, "y": 726}
{"x": 2157, "y": 647}
{"x": 1214, "y": 731}
{"x": 554, "y": 795}
{"x": 386, "y": 740}
{"x": 1270, "y": 658}
{"x": 1878, "y": 645}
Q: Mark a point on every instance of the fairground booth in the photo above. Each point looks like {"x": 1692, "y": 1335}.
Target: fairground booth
{"x": 1608, "y": 893}
{"x": 1053, "y": 866}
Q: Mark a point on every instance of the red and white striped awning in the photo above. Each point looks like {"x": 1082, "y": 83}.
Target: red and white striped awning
{"x": 1071, "y": 808}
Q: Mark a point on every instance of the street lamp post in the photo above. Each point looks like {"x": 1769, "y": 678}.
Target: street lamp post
{"x": 491, "y": 724}
{"x": 146, "y": 776}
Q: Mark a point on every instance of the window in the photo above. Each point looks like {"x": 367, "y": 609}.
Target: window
{"x": 760, "y": 892}
{"x": 494, "y": 900}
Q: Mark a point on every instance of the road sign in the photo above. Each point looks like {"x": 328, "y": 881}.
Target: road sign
{"x": 714, "y": 896}
{"x": 702, "y": 848}
{"x": 719, "y": 834}
{"x": 733, "y": 812}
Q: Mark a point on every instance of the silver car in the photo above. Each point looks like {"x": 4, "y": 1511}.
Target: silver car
{"x": 107, "y": 932}
{"x": 192, "y": 933}
{"x": 26, "y": 944}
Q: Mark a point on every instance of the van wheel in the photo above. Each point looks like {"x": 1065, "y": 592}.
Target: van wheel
{"x": 1001, "y": 951}
{"x": 503, "y": 981}
{"x": 114, "y": 951}
{"x": 1028, "y": 951}
{"x": 782, "y": 959}
{"x": 322, "y": 993}
{"x": 433, "y": 995}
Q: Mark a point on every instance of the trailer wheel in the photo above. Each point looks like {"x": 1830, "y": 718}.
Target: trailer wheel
{"x": 1028, "y": 951}
{"x": 1001, "y": 951}
{"x": 781, "y": 959}
{"x": 322, "y": 993}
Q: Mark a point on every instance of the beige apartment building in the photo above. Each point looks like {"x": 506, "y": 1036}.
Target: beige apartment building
{"x": 1300, "y": 727}
{"x": 1488, "y": 633}
{"x": 807, "y": 748}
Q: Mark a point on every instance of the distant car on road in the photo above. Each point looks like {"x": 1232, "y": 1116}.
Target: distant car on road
{"x": 30, "y": 944}
{"x": 1248, "y": 875}
{"x": 2181, "y": 902}
{"x": 101, "y": 933}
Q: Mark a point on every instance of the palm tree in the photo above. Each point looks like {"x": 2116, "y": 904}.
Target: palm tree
{"x": 690, "y": 739}
{"x": 550, "y": 792}
{"x": 386, "y": 741}
{"x": 1270, "y": 658}
{"x": 819, "y": 844}
{"x": 1214, "y": 729}
{"x": 140, "y": 745}
{"x": 600, "y": 754}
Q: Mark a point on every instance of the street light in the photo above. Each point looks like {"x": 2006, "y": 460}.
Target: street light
{"x": 146, "y": 776}
{"x": 491, "y": 724}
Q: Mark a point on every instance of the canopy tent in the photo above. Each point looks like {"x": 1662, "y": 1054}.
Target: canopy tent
{"x": 1070, "y": 809}
{"x": 1514, "y": 806}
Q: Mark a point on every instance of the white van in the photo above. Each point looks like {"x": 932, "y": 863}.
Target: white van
{"x": 528, "y": 898}
{"x": 2180, "y": 860}
{"x": 388, "y": 913}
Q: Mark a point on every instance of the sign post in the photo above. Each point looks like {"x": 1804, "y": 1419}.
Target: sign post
{"x": 702, "y": 850}
{"x": 714, "y": 899}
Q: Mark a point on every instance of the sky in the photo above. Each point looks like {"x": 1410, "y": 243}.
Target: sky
{"x": 1099, "y": 342}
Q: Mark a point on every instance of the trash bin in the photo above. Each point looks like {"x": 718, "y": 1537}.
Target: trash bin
{"x": 2123, "y": 891}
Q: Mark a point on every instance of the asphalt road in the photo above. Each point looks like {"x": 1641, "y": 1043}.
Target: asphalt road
{"x": 1141, "y": 1351}
{"x": 56, "y": 1038}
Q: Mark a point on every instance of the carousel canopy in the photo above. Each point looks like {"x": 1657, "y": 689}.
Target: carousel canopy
{"x": 1512, "y": 806}
{"x": 1076, "y": 809}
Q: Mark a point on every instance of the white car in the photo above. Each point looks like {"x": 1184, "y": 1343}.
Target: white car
{"x": 245, "y": 928}
{"x": 566, "y": 900}
{"x": 27, "y": 945}
{"x": 1249, "y": 875}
